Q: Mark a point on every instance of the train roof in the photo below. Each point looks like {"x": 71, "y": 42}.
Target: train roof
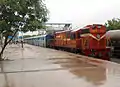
{"x": 79, "y": 29}
{"x": 113, "y": 34}
{"x": 75, "y": 30}
{"x": 37, "y": 36}
{"x": 114, "y": 30}
{"x": 63, "y": 31}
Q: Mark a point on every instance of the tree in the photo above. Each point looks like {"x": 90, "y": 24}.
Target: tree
{"x": 113, "y": 24}
{"x": 24, "y": 15}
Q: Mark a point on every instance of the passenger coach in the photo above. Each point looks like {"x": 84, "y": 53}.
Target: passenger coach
{"x": 90, "y": 40}
{"x": 42, "y": 40}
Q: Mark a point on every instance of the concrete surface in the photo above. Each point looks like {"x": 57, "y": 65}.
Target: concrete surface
{"x": 117, "y": 60}
{"x": 40, "y": 67}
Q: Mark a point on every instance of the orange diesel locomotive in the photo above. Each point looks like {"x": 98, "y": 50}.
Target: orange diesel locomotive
{"x": 90, "y": 40}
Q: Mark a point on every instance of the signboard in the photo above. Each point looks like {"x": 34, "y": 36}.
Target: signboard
{"x": 10, "y": 37}
{"x": 20, "y": 37}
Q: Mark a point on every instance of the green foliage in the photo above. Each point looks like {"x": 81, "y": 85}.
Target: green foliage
{"x": 27, "y": 15}
{"x": 24, "y": 15}
{"x": 113, "y": 24}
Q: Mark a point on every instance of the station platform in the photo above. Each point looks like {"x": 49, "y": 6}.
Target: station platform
{"x": 43, "y": 67}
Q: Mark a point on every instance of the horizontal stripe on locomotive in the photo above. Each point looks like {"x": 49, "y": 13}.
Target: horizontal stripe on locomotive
{"x": 98, "y": 39}
{"x": 68, "y": 39}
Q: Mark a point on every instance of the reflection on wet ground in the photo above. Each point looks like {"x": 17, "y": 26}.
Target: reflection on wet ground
{"x": 89, "y": 72}
{"x": 39, "y": 67}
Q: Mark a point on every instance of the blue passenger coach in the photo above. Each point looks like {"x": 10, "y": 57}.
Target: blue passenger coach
{"x": 42, "y": 40}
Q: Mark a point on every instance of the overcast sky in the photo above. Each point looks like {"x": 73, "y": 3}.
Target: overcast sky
{"x": 82, "y": 12}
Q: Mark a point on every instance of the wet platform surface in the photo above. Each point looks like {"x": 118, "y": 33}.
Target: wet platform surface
{"x": 41, "y": 67}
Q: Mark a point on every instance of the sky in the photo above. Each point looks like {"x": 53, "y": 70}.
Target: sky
{"x": 82, "y": 12}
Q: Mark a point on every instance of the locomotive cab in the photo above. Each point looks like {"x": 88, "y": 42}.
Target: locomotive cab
{"x": 94, "y": 41}
{"x": 97, "y": 34}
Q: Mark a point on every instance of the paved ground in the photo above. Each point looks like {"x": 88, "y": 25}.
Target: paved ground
{"x": 117, "y": 60}
{"x": 40, "y": 67}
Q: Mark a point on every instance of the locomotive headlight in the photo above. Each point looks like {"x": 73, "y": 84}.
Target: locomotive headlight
{"x": 99, "y": 27}
{"x": 98, "y": 36}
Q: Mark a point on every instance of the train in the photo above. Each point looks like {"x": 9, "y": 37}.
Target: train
{"x": 90, "y": 40}
{"x": 42, "y": 40}
{"x": 114, "y": 42}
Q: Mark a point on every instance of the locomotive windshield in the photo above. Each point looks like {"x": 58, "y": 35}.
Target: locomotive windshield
{"x": 85, "y": 31}
{"x": 96, "y": 26}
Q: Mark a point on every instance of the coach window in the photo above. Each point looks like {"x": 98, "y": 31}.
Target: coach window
{"x": 78, "y": 35}
{"x": 67, "y": 34}
{"x": 72, "y": 36}
{"x": 42, "y": 38}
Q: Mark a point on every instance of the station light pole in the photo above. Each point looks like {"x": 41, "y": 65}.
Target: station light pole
{"x": 1, "y": 39}
{"x": 21, "y": 37}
